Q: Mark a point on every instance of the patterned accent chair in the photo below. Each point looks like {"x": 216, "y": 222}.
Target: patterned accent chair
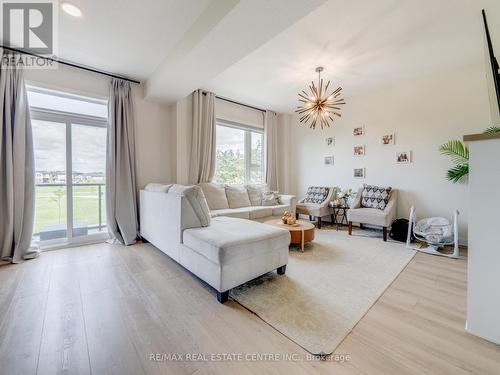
{"x": 373, "y": 205}
{"x": 316, "y": 203}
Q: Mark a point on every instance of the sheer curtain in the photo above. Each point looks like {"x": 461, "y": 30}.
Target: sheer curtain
{"x": 121, "y": 199}
{"x": 17, "y": 182}
{"x": 271, "y": 149}
{"x": 203, "y": 149}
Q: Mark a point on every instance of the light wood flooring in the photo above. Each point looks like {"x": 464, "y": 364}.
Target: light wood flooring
{"x": 103, "y": 309}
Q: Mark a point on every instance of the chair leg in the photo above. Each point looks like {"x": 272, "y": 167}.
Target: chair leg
{"x": 297, "y": 216}
{"x": 350, "y": 228}
{"x": 222, "y": 296}
{"x": 385, "y": 234}
{"x": 281, "y": 270}
{"x": 310, "y": 218}
{"x": 319, "y": 222}
{"x": 361, "y": 226}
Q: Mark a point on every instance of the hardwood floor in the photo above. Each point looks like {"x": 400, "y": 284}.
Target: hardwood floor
{"x": 105, "y": 309}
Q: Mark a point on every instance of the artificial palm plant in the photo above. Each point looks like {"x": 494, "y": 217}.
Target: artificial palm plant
{"x": 459, "y": 154}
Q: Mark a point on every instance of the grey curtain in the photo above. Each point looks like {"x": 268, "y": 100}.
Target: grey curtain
{"x": 202, "y": 161}
{"x": 271, "y": 149}
{"x": 17, "y": 175}
{"x": 121, "y": 198}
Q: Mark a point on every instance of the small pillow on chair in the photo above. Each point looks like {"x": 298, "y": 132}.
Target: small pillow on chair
{"x": 375, "y": 196}
{"x": 316, "y": 194}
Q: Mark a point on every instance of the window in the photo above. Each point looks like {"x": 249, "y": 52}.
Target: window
{"x": 69, "y": 138}
{"x": 240, "y": 154}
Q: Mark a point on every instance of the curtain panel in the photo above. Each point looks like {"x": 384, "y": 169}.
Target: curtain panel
{"x": 271, "y": 149}
{"x": 121, "y": 198}
{"x": 203, "y": 148}
{"x": 17, "y": 173}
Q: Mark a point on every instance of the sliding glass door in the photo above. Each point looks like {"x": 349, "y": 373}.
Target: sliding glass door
{"x": 69, "y": 135}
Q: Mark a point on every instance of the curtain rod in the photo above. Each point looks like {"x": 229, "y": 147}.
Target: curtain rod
{"x": 238, "y": 103}
{"x": 74, "y": 65}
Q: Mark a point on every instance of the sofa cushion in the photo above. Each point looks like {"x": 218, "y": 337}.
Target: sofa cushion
{"x": 229, "y": 240}
{"x": 260, "y": 212}
{"x": 375, "y": 196}
{"x": 241, "y": 213}
{"x": 237, "y": 196}
{"x": 215, "y": 195}
{"x": 196, "y": 213}
{"x": 316, "y": 194}
{"x": 280, "y": 209}
{"x": 255, "y": 193}
{"x": 162, "y": 188}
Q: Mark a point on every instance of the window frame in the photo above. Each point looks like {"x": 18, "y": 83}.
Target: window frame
{"x": 247, "y": 142}
{"x": 68, "y": 118}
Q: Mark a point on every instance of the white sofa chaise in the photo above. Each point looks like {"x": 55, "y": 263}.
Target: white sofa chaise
{"x": 223, "y": 251}
{"x": 245, "y": 201}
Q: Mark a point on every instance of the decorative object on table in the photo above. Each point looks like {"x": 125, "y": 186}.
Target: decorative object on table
{"x": 437, "y": 232}
{"x": 359, "y": 150}
{"x": 330, "y": 141}
{"x": 288, "y": 218}
{"x": 358, "y": 131}
{"x": 319, "y": 106}
{"x": 346, "y": 196}
{"x": 329, "y": 160}
{"x": 359, "y": 172}
{"x": 388, "y": 139}
{"x": 459, "y": 153}
{"x": 403, "y": 157}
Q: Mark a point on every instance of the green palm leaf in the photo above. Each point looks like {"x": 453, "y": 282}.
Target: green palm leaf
{"x": 458, "y": 172}
{"x": 457, "y": 150}
{"x": 492, "y": 129}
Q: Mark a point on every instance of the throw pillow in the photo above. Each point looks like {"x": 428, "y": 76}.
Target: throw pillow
{"x": 316, "y": 194}
{"x": 215, "y": 195}
{"x": 270, "y": 198}
{"x": 255, "y": 193}
{"x": 237, "y": 196}
{"x": 375, "y": 196}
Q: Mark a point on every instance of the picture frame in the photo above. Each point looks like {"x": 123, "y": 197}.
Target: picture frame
{"x": 359, "y": 150}
{"x": 403, "y": 157}
{"x": 329, "y": 160}
{"x": 359, "y": 172}
{"x": 388, "y": 139}
{"x": 330, "y": 141}
{"x": 358, "y": 131}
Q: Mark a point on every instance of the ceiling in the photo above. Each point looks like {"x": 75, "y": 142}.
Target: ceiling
{"x": 264, "y": 52}
{"x": 362, "y": 45}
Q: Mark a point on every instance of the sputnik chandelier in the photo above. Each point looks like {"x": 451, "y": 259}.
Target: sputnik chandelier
{"x": 317, "y": 106}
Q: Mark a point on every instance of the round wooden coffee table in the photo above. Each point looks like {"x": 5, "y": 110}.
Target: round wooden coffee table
{"x": 300, "y": 233}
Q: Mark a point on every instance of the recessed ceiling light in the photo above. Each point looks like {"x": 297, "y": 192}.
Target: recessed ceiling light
{"x": 71, "y": 9}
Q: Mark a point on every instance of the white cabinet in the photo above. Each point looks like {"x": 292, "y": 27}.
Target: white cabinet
{"x": 483, "y": 287}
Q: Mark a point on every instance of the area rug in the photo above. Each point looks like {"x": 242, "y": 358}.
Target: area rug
{"x": 327, "y": 289}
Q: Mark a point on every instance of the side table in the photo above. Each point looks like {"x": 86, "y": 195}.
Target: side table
{"x": 339, "y": 214}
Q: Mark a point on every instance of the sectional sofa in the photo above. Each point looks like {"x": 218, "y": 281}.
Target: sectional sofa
{"x": 252, "y": 202}
{"x": 221, "y": 250}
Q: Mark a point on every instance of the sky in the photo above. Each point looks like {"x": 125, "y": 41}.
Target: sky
{"x": 49, "y": 138}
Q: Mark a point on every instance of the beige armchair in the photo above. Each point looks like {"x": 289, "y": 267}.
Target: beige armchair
{"x": 317, "y": 209}
{"x": 372, "y": 216}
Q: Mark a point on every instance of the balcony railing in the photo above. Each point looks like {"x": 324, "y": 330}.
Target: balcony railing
{"x": 51, "y": 206}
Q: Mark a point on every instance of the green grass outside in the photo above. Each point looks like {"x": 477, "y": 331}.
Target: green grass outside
{"x": 50, "y": 206}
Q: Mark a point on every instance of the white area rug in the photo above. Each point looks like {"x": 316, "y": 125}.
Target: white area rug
{"x": 327, "y": 289}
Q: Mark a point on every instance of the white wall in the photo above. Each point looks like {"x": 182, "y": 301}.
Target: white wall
{"x": 423, "y": 113}
{"x": 154, "y": 125}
